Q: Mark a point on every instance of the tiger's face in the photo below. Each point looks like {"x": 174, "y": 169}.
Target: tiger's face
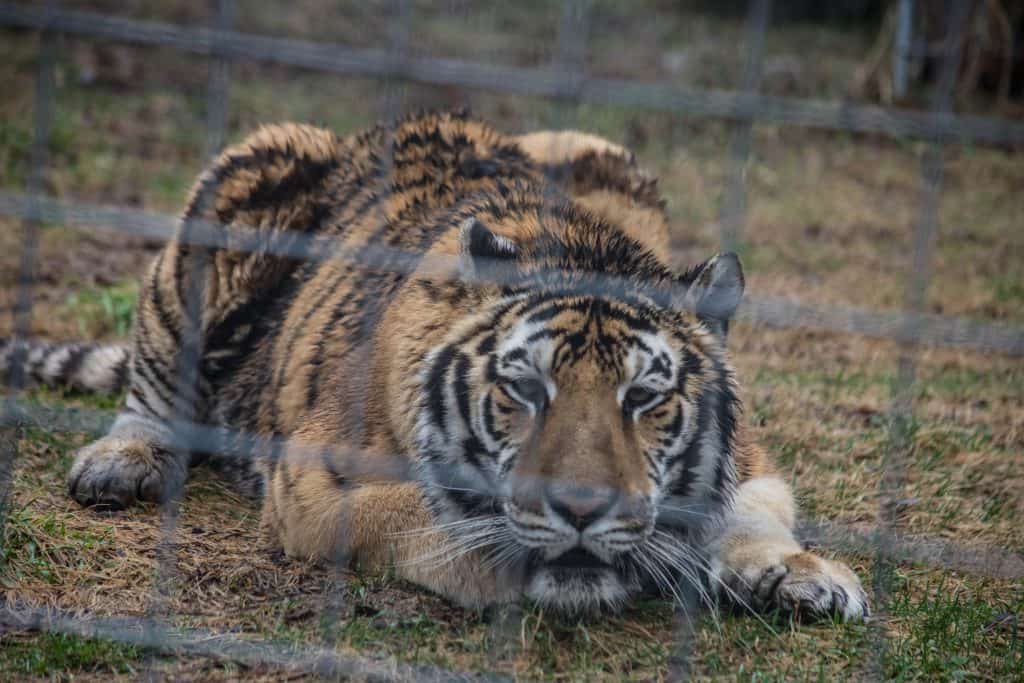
{"x": 579, "y": 443}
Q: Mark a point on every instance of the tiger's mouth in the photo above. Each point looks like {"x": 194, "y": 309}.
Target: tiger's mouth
{"x": 577, "y": 558}
{"x": 576, "y": 581}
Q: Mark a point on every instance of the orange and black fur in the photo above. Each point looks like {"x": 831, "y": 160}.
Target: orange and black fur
{"x": 485, "y": 375}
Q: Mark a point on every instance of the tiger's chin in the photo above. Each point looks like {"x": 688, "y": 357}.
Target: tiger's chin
{"x": 575, "y": 587}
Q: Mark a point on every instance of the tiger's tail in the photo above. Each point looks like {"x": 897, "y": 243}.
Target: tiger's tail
{"x": 83, "y": 366}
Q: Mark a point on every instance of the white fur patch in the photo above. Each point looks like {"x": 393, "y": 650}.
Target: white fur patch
{"x": 98, "y": 370}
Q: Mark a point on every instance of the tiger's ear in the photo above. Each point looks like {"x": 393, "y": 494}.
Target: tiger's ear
{"x": 481, "y": 252}
{"x": 713, "y": 290}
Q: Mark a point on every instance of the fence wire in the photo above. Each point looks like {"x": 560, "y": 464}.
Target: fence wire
{"x": 719, "y": 104}
{"x": 161, "y": 637}
{"x": 567, "y": 80}
{"x": 932, "y": 330}
{"x": 897, "y": 546}
{"x": 735, "y": 200}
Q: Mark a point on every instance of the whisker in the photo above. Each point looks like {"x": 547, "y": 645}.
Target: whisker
{"x": 456, "y": 488}
{"x": 685, "y": 511}
{"x": 446, "y": 555}
{"x": 657, "y": 572}
{"x": 684, "y": 556}
{"x": 468, "y": 537}
{"x": 508, "y": 553}
{"x": 692, "y": 555}
{"x": 455, "y": 547}
{"x": 661, "y": 573}
{"x": 683, "y": 567}
{"x": 472, "y": 522}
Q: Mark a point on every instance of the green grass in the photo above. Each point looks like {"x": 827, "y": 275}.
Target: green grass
{"x": 956, "y": 634}
{"x": 1009, "y": 288}
{"x": 42, "y": 546}
{"x": 58, "y": 655}
{"x": 15, "y": 146}
{"x": 104, "y": 310}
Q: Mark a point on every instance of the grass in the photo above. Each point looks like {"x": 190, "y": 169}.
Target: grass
{"x": 46, "y": 653}
{"x": 104, "y": 310}
{"x": 955, "y": 629}
{"x": 828, "y": 222}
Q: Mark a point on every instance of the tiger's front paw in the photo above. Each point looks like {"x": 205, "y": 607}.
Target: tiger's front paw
{"x": 802, "y": 584}
{"x": 114, "y": 473}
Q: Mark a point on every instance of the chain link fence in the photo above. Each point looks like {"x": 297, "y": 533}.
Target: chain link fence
{"x": 565, "y": 80}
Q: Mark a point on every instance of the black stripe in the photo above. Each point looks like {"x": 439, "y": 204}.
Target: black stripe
{"x": 651, "y": 462}
{"x": 690, "y": 456}
{"x": 469, "y": 504}
{"x": 73, "y": 363}
{"x": 339, "y": 311}
{"x": 727, "y": 413}
{"x": 140, "y": 396}
{"x": 676, "y": 425}
{"x": 491, "y": 373}
{"x": 544, "y": 333}
{"x": 571, "y": 348}
{"x": 492, "y": 429}
{"x": 295, "y": 331}
{"x": 691, "y": 368}
{"x": 660, "y": 366}
{"x": 518, "y": 353}
{"x": 436, "y": 381}
{"x": 305, "y": 176}
{"x": 121, "y": 372}
{"x": 461, "y": 387}
{"x": 472, "y": 450}
{"x": 487, "y": 344}
{"x": 144, "y": 356}
{"x": 264, "y": 313}
{"x": 370, "y": 201}
{"x": 156, "y": 298}
{"x": 157, "y": 382}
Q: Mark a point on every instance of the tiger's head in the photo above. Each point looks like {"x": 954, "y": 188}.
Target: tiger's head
{"x": 576, "y": 427}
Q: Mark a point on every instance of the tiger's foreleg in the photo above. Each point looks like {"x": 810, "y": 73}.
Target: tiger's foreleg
{"x": 184, "y": 318}
{"x": 143, "y": 457}
{"x": 313, "y": 513}
{"x": 758, "y": 563}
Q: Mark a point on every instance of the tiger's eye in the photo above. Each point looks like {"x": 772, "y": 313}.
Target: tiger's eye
{"x": 637, "y": 397}
{"x": 528, "y": 390}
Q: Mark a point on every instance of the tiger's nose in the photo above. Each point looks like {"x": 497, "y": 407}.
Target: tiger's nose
{"x": 580, "y": 506}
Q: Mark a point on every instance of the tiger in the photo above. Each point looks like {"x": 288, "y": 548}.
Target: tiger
{"x": 462, "y": 356}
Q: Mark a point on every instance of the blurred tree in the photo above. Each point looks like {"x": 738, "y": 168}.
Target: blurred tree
{"x": 992, "y": 59}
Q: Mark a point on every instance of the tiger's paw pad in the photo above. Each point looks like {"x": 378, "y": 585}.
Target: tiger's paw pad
{"x": 115, "y": 473}
{"x": 806, "y": 586}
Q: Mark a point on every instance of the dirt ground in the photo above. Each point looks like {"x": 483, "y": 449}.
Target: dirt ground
{"x": 829, "y": 222}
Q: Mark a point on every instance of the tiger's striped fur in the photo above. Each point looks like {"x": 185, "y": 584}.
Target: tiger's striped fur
{"x": 488, "y": 377}
{"x": 80, "y": 366}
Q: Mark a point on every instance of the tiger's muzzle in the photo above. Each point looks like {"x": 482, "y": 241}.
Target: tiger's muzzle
{"x": 592, "y": 525}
